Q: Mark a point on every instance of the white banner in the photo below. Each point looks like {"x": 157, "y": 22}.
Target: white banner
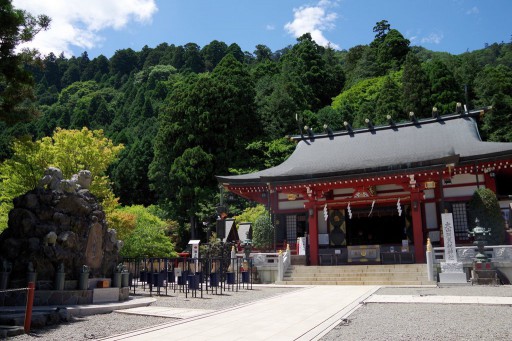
{"x": 302, "y": 245}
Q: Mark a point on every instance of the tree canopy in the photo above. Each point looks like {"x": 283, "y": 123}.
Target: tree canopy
{"x": 69, "y": 150}
{"x": 16, "y": 95}
{"x": 185, "y": 113}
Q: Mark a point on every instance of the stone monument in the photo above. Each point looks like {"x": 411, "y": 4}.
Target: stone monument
{"x": 452, "y": 271}
{"x": 59, "y": 224}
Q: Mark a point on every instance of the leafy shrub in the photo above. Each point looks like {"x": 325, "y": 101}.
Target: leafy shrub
{"x": 263, "y": 232}
{"x": 484, "y": 206}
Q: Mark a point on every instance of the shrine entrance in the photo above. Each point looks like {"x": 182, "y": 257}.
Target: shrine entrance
{"x": 383, "y": 226}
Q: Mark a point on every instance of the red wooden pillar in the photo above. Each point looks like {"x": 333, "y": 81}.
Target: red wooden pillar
{"x": 490, "y": 182}
{"x": 417, "y": 225}
{"x": 313, "y": 235}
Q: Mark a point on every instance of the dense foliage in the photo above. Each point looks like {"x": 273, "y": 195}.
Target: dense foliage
{"x": 69, "y": 150}
{"x": 146, "y": 236}
{"x": 16, "y": 92}
{"x": 188, "y": 113}
{"x": 484, "y": 206}
{"x": 263, "y": 232}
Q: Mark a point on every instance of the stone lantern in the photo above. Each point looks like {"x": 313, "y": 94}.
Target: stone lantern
{"x": 482, "y": 272}
{"x": 480, "y": 234}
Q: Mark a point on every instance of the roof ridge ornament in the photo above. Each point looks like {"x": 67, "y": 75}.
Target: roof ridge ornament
{"x": 390, "y": 120}
{"x": 458, "y": 108}
{"x": 435, "y": 113}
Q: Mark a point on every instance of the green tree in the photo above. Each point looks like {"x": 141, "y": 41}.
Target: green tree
{"x": 485, "y": 206}
{"x": 381, "y": 30}
{"x": 16, "y": 83}
{"x": 392, "y": 51}
{"x": 124, "y": 61}
{"x": 360, "y": 101}
{"x": 190, "y": 177}
{"x": 130, "y": 174}
{"x": 71, "y": 75}
{"x": 317, "y": 69}
{"x": 445, "y": 92}
{"x": 493, "y": 86}
{"x": 149, "y": 237}
{"x": 262, "y": 53}
{"x": 415, "y": 94}
{"x": 251, "y": 214}
{"x": 236, "y": 51}
{"x": 69, "y": 150}
{"x": 263, "y": 154}
{"x": 388, "y": 102}
{"x": 213, "y": 53}
{"x": 333, "y": 118}
{"x": 192, "y": 60}
{"x": 263, "y": 232}
{"x": 466, "y": 72}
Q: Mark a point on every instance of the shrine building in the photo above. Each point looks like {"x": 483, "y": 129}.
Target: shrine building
{"x": 365, "y": 195}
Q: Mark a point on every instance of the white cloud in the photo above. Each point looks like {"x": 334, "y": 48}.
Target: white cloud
{"x": 315, "y": 20}
{"x": 473, "y": 10}
{"x": 79, "y": 23}
{"x": 270, "y": 27}
{"x": 433, "y": 38}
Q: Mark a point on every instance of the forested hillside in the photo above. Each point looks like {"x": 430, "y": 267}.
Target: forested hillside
{"x": 187, "y": 113}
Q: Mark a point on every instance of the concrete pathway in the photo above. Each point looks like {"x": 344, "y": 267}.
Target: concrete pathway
{"x": 305, "y": 314}
{"x": 439, "y": 299}
{"x": 179, "y": 313}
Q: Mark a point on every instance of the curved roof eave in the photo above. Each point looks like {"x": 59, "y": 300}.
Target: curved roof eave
{"x": 389, "y": 149}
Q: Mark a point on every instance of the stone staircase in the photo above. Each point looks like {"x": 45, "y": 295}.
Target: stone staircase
{"x": 396, "y": 274}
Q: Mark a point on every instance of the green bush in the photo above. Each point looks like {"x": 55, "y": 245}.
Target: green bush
{"x": 263, "y": 233}
{"x": 484, "y": 206}
{"x": 149, "y": 235}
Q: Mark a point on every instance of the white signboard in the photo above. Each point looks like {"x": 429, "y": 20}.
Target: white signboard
{"x": 302, "y": 245}
{"x": 450, "y": 252}
{"x": 195, "y": 248}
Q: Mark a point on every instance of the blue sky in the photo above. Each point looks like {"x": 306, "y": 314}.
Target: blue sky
{"x": 104, "y": 26}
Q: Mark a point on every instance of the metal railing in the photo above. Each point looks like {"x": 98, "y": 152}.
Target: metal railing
{"x": 191, "y": 276}
{"x": 29, "y": 304}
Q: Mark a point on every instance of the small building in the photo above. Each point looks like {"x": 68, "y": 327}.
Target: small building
{"x": 367, "y": 193}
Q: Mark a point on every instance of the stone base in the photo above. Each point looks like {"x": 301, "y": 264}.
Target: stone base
{"x": 104, "y": 295}
{"x": 47, "y": 297}
{"x": 484, "y": 277}
{"x": 453, "y": 278}
{"x": 124, "y": 294}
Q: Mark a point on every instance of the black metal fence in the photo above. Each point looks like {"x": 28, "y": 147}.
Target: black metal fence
{"x": 191, "y": 276}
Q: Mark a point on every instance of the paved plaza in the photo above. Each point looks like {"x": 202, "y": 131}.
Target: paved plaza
{"x": 271, "y": 312}
{"x": 305, "y": 314}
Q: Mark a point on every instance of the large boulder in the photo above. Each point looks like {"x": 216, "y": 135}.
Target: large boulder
{"x": 49, "y": 226}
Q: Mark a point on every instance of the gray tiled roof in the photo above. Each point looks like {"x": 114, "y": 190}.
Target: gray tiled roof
{"x": 391, "y": 148}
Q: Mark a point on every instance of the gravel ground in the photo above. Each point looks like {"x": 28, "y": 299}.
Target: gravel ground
{"x": 411, "y": 321}
{"x": 100, "y": 326}
{"x": 370, "y": 322}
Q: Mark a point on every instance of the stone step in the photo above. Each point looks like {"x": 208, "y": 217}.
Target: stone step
{"x": 298, "y": 260}
{"x": 404, "y": 283}
{"x": 355, "y": 277}
{"x": 359, "y": 268}
{"x": 389, "y": 274}
{"x": 341, "y": 271}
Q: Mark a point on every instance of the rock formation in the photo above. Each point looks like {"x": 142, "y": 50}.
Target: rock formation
{"x": 60, "y": 222}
